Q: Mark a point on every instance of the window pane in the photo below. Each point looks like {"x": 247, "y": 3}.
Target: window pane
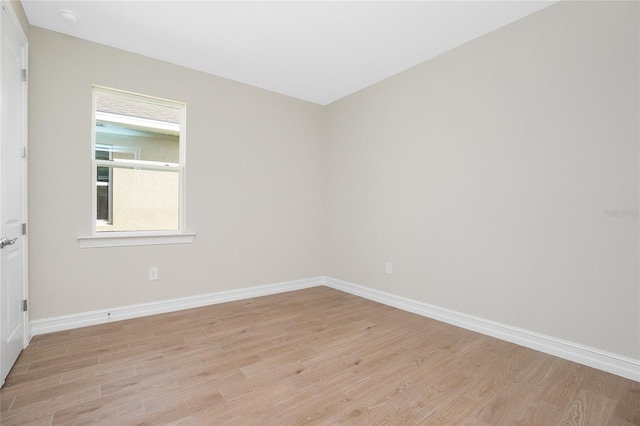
{"x": 130, "y": 144}
{"x": 103, "y": 153}
{"x": 103, "y": 203}
{"x": 143, "y": 200}
{"x": 103, "y": 174}
{"x": 136, "y": 127}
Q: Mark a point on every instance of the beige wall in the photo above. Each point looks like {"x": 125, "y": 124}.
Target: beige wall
{"x": 254, "y": 183}
{"x": 484, "y": 176}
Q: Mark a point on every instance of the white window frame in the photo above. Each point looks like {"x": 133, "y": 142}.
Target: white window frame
{"x": 134, "y": 238}
{"x": 109, "y": 186}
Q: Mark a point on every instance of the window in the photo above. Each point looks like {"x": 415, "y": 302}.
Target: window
{"x": 138, "y": 157}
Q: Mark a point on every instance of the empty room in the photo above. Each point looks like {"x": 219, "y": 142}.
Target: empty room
{"x": 319, "y": 212}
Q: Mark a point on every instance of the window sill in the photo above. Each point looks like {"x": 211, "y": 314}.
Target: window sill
{"x": 134, "y": 240}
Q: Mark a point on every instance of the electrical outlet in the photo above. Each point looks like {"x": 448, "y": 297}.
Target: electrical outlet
{"x": 153, "y": 273}
{"x": 388, "y": 267}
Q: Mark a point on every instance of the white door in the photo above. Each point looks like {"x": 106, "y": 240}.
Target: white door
{"x": 13, "y": 166}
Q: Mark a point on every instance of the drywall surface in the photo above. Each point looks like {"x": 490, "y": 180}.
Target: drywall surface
{"x": 501, "y": 178}
{"x": 253, "y": 183}
{"x": 18, "y": 10}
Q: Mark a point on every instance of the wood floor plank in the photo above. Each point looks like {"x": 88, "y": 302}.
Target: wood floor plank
{"x": 251, "y": 409}
{"x": 97, "y": 411}
{"x": 276, "y": 361}
{"x": 309, "y": 376}
{"x": 53, "y": 368}
{"x": 262, "y": 381}
{"x": 42, "y": 408}
{"x": 313, "y": 356}
{"x": 26, "y": 387}
{"x": 96, "y": 375}
{"x": 626, "y": 414}
{"x": 589, "y": 408}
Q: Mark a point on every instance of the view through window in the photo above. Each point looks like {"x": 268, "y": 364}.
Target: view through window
{"x": 138, "y": 162}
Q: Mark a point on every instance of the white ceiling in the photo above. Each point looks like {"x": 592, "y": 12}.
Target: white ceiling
{"x": 318, "y": 51}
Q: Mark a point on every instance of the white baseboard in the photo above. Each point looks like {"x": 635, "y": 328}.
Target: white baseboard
{"x": 605, "y": 361}
{"x": 612, "y": 363}
{"x": 68, "y": 322}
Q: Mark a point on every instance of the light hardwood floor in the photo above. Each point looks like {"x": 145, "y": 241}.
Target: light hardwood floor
{"x": 316, "y": 356}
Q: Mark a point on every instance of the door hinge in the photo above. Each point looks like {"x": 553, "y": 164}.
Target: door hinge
{"x": 24, "y": 152}
{"x": 24, "y": 229}
{"x": 24, "y": 74}
{"x": 25, "y": 305}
